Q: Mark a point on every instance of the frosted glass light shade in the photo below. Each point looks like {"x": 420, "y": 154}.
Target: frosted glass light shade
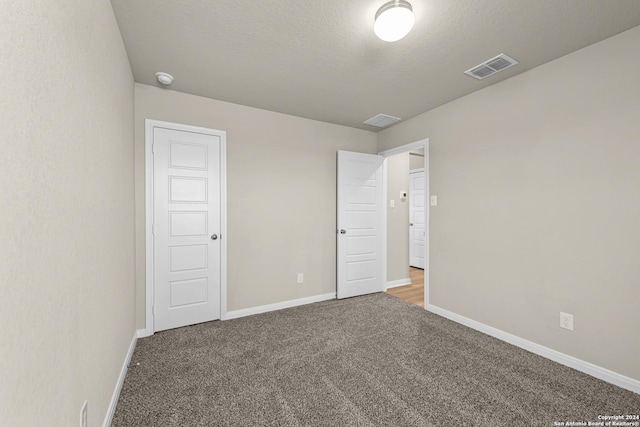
{"x": 394, "y": 20}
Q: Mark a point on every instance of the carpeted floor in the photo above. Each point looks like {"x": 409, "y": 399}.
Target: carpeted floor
{"x": 368, "y": 361}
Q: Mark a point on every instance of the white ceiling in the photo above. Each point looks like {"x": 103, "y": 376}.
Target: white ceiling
{"x": 321, "y": 59}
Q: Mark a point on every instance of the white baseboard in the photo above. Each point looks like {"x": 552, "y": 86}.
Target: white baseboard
{"x": 143, "y": 333}
{"x": 278, "y": 306}
{"x": 396, "y": 283}
{"x": 564, "y": 359}
{"x": 116, "y": 392}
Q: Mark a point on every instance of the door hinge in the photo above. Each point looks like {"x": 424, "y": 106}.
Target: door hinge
{"x": 153, "y": 147}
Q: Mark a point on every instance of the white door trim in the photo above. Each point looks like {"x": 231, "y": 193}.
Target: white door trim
{"x": 423, "y": 143}
{"x": 148, "y": 154}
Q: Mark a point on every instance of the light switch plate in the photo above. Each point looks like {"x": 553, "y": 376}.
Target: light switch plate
{"x": 434, "y": 200}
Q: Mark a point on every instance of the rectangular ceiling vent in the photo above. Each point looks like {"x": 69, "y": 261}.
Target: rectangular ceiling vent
{"x": 492, "y": 66}
{"x": 382, "y": 120}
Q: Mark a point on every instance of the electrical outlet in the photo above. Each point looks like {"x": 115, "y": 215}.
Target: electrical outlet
{"x": 300, "y": 278}
{"x": 566, "y": 321}
{"x": 83, "y": 414}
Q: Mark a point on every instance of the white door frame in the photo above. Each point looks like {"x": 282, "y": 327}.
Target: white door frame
{"x": 423, "y": 143}
{"x": 148, "y": 154}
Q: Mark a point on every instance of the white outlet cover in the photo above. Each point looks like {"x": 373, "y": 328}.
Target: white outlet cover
{"x": 566, "y": 321}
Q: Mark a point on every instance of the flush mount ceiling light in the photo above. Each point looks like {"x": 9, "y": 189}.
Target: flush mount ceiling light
{"x": 164, "y": 78}
{"x": 394, "y": 20}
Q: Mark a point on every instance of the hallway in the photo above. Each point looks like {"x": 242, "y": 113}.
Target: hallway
{"x": 413, "y": 293}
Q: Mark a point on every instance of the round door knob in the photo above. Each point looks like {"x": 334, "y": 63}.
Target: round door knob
{"x": 214, "y": 237}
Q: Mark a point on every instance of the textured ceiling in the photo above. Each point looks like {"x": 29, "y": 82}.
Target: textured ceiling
{"x": 321, "y": 59}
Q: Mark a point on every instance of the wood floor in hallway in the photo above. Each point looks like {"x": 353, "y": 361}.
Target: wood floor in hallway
{"x": 413, "y": 293}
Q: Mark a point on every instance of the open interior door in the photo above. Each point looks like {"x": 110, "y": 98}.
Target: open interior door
{"x": 361, "y": 223}
{"x": 417, "y": 230}
{"x": 187, "y": 221}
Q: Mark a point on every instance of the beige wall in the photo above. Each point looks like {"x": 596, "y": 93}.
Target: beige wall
{"x": 416, "y": 161}
{"x": 281, "y": 185}
{"x": 66, "y": 244}
{"x": 397, "y": 218}
{"x": 538, "y": 211}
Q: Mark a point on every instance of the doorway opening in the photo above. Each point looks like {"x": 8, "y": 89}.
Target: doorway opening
{"x": 413, "y": 292}
{"x": 407, "y": 230}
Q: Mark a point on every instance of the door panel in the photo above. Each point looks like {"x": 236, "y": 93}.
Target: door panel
{"x": 184, "y": 258}
{"x": 187, "y": 211}
{"x": 187, "y": 190}
{"x": 417, "y": 229}
{"x": 188, "y": 156}
{"x": 188, "y": 292}
{"x": 183, "y": 224}
{"x": 360, "y": 214}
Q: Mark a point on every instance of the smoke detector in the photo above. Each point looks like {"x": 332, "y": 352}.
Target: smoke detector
{"x": 164, "y": 78}
{"x": 492, "y": 66}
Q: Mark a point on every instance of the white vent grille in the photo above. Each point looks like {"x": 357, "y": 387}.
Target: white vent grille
{"x": 381, "y": 120}
{"x": 492, "y": 66}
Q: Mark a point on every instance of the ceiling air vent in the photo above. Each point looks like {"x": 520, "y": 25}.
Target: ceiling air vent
{"x": 381, "y": 120}
{"x": 492, "y": 66}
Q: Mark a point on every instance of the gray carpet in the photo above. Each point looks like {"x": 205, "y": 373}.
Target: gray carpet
{"x": 368, "y": 361}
